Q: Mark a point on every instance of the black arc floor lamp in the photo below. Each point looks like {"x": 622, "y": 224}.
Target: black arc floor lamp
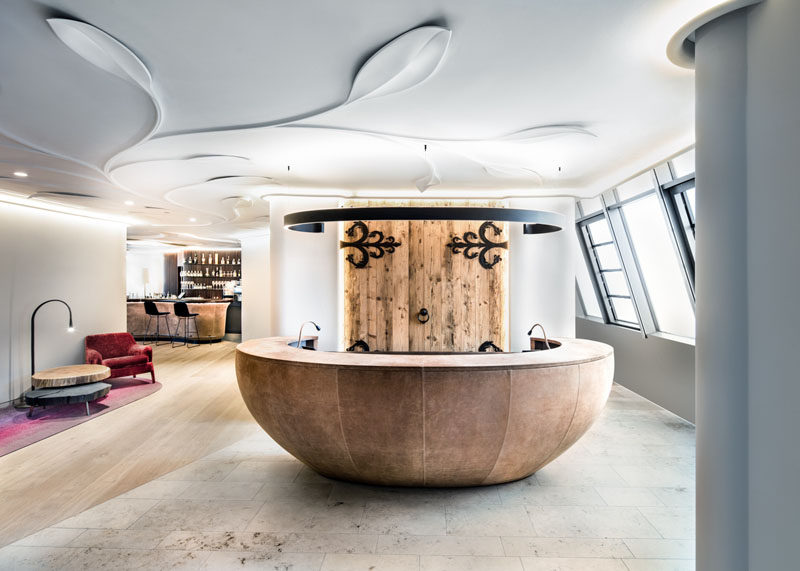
{"x": 71, "y": 328}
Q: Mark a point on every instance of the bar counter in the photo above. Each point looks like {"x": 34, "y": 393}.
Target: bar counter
{"x": 210, "y": 321}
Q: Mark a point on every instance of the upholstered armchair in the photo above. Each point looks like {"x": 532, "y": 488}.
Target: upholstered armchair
{"x": 120, "y": 353}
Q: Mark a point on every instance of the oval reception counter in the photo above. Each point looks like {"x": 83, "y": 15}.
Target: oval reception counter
{"x": 406, "y": 419}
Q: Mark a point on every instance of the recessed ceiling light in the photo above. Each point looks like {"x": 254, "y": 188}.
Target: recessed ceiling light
{"x": 192, "y": 219}
{"x": 129, "y": 203}
{"x": 20, "y": 174}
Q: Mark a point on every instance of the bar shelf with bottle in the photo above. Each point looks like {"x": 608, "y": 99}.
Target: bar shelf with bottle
{"x": 204, "y": 273}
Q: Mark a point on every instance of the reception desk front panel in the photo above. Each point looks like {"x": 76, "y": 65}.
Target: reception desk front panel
{"x": 425, "y": 419}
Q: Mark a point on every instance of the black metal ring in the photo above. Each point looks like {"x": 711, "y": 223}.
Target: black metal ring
{"x": 423, "y": 313}
{"x": 535, "y": 221}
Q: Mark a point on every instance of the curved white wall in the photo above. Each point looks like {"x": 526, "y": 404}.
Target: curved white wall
{"x": 304, "y": 276}
{"x": 144, "y": 273}
{"x": 49, "y": 255}
{"x": 542, "y": 275}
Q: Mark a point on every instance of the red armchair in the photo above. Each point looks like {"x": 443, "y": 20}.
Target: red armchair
{"x": 120, "y": 353}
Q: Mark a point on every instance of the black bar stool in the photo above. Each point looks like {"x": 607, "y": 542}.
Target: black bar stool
{"x": 152, "y": 311}
{"x": 182, "y": 313}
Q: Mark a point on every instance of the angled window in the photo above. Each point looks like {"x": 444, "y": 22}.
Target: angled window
{"x": 587, "y": 303}
{"x": 638, "y": 244}
{"x": 660, "y": 267}
{"x": 677, "y": 184}
{"x": 606, "y": 270}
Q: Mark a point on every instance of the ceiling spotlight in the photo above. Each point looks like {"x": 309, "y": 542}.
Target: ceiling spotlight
{"x": 129, "y": 203}
{"x": 20, "y": 174}
{"x": 192, "y": 219}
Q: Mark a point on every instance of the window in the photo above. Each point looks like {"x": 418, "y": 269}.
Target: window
{"x": 682, "y": 195}
{"x": 677, "y": 187}
{"x": 660, "y": 266}
{"x": 607, "y": 269}
{"x": 638, "y": 246}
{"x": 587, "y": 298}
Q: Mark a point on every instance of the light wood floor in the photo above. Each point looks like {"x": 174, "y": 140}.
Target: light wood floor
{"x": 198, "y": 411}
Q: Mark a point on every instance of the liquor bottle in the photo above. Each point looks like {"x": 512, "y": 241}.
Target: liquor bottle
{"x": 216, "y": 258}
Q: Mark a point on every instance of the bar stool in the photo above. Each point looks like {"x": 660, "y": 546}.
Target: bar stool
{"x": 152, "y": 311}
{"x": 182, "y": 313}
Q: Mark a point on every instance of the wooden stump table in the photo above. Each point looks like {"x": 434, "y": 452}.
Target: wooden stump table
{"x": 67, "y": 385}
{"x": 69, "y": 376}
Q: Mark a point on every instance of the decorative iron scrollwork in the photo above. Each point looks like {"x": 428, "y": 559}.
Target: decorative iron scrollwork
{"x": 478, "y": 245}
{"x": 360, "y": 344}
{"x": 370, "y": 244}
{"x": 489, "y": 346}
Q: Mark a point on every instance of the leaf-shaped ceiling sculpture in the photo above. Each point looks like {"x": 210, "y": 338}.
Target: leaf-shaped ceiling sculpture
{"x": 102, "y": 50}
{"x": 503, "y": 171}
{"x": 428, "y": 181}
{"x": 545, "y": 131}
{"x": 404, "y": 62}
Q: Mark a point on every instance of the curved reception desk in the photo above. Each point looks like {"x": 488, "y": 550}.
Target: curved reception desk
{"x": 425, "y": 419}
{"x": 210, "y": 321}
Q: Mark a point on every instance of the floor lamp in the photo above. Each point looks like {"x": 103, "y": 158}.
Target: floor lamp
{"x": 70, "y": 328}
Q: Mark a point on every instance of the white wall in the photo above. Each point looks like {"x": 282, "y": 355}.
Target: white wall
{"x": 304, "y": 273}
{"x": 255, "y": 287}
{"x": 46, "y": 255}
{"x": 140, "y": 265}
{"x": 542, "y": 275}
{"x": 659, "y": 369}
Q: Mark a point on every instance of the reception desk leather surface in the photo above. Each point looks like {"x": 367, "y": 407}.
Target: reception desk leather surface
{"x": 425, "y": 419}
{"x": 210, "y": 319}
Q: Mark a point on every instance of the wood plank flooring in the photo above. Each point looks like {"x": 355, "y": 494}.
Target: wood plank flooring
{"x": 198, "y": 411}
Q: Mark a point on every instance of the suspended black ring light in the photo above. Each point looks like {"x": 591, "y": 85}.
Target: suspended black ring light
{"x": 534, "y": 221}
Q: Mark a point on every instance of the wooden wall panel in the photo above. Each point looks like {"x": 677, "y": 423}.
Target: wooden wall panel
{"x": 467, "y": 304}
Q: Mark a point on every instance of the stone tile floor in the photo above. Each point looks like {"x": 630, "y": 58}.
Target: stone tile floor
{"x": 621, "y": 499}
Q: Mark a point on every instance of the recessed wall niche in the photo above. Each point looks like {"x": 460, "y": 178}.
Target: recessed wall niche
{"x": 417, "y": 292}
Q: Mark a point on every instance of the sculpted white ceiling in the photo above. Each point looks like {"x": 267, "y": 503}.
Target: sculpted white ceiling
{"x": 194, "y": 109}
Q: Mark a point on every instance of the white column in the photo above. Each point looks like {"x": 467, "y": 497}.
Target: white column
{"x": 541, "y": 275}
{"x": 748, "y": 253}
{"x": 773, "y": 262}
{"x": 255, "y": 287}
{"x": 304, "y": 273}
{"x": 721, "y": 345}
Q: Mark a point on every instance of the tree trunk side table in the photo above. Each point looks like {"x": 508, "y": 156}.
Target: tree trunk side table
{"x": 67, "y": 385}
{"x": 70, "y": 376}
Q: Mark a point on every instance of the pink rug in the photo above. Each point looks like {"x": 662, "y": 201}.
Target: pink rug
{"x": 18, "y": 431}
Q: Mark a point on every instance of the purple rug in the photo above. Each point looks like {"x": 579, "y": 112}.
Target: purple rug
{"x": 18, "y": 431}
